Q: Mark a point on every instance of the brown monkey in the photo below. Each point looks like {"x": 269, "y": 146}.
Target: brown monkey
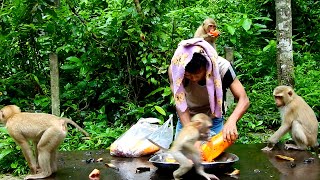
{"x": 46, "y": 131}
{"x": 297, "y": 117}
{"x": 204, "y": 29}
{"x": 183, "y": 149}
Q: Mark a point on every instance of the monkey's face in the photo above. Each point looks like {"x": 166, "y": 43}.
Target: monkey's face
{"x": 283, "y": 95}
{"x": 211, "y": 27}
{"x": 279, "y": 101}
{"x": 205, "y": 131}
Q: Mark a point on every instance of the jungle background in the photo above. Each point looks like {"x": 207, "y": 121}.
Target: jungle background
{"x": 114, "y": 60}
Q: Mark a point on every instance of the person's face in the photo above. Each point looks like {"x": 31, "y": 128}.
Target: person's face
{"x": 196, "y": 77}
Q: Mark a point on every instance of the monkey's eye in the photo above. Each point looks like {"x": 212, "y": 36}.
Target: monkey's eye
{"x": 278, "y": 97}
{"x": 212, "y": 26}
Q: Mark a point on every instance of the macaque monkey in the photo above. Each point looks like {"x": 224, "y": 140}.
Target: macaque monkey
{"x": 46, "y": 132}
{"x": 204, "y": 29}
{"x": 183, "y": 149}
{"x": 297, "y": 117}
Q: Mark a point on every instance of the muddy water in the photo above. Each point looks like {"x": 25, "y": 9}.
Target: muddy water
{"x": 253, "y": 164}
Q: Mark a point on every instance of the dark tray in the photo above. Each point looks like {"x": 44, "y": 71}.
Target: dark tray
{"x": 224, "y": 161}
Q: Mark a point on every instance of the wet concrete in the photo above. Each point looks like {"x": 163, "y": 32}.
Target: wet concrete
{"x": 253, "y": 164}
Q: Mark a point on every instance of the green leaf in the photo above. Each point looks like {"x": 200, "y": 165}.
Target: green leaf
{"x": 36, "y": 79}
{"x": 160, "y": 110}
{"x": 231, "y": 29}
{"x": 153, "y": 81}
{"x": 14, "y": 165}
{"x": 233, "y": 39}
{"x": 261, "y": 26}
{"x": 155, "y": 91}
{"x": 83, "y": 71}
{"x": 144, "y": 60}
{"x": 4, "y": 153}
{"x": 247, "y": 24}
{"x": 266, "y": 48}
{"x": 74, "y": 59}
{"x": 263, "y": 18}
{"x": 68, "y": 67}
{"x": 259, "y": 123}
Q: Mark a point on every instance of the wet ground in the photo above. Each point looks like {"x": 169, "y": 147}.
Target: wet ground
{"x": 253, "y": 164}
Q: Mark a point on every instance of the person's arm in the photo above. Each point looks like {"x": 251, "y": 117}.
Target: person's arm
{"x": 183, "y": 116}
{"x": 229, "y": 131}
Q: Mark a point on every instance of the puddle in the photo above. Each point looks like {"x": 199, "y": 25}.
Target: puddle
{"x": 253, "y": 164}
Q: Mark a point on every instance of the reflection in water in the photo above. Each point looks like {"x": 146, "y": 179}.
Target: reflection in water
{"x": 305, "y": 164}
{"x": 253, "y": 164}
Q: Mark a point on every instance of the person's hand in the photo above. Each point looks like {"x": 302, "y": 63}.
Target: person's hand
{"x": 230, "y": 132}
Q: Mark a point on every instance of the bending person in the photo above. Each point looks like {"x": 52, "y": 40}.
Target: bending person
{"x": 199, "y": 79}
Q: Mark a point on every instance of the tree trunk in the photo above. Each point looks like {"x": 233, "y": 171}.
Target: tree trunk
{"x": 54, "y": 74}
{"x": 285, "y": 65}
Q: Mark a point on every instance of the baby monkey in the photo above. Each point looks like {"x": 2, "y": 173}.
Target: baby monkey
{"x": 46, "y": 132}
{"x": 183, "y": 149}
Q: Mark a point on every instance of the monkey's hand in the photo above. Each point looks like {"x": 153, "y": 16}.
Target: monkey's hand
{"x": 292, "y": 146}
{"x": 269, "y": 147}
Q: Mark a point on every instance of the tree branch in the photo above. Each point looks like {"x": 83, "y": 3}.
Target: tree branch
{"x": 138, "y": 7}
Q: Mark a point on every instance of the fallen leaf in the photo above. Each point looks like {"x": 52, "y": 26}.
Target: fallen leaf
{"x": 235, "y": 172}
{"x": 111, "y": 166}
{"x": 100, "y": 160}
{"x": 285, "y": 157}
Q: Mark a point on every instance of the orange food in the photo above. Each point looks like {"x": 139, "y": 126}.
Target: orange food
{"x": 215, "y": 33}
{"x": 170, "y": 160}
{"x": 150, "y": 149}
{"x": 145, "y": 147}
{"x": 94, "y": 175}
{"x": 214, "y": 147}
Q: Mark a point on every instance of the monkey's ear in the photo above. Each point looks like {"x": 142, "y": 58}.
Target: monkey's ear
{"x": 290, "y": 93}
{"x": 197, "y": 123}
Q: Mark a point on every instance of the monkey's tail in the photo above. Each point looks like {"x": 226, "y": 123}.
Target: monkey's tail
{"x": 76, "y": 125}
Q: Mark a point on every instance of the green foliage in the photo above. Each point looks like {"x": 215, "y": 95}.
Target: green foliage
{"x": 11, "y": 158}
{"x": 101, "y": 136}
{"x": 307, "y": 81}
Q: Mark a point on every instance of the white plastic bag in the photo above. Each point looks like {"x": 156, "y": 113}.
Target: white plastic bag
{"x": 134, "y": 142}
{"x": 163, "y": 136}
